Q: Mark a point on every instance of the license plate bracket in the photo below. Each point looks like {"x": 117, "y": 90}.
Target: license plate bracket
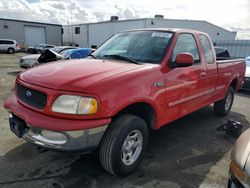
{"x": 17, "y": 126}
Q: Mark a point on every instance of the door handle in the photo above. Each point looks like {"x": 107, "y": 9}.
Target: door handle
{"x": 203, "y": 74}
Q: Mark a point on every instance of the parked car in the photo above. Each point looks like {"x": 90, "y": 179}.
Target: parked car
{"x": 49, "y": 55}
{"x": 29, "y": 61}
{"x": 10, "y": 46}
{"x": 40, "y": 48}
{"x": 240, "y": 165}
{"x": 137, "y": 81}
{"x": 246, "y": 84}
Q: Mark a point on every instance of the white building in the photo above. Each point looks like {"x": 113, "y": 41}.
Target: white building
{"x": 94, "y": 34}
{"x": 28, "y": 33}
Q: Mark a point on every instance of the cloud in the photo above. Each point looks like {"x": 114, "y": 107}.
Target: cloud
{"x": 79, "y": 11}
{"x": 59, "y": 6}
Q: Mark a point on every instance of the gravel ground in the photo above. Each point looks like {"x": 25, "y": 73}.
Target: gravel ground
{"x": 186, "y": 153}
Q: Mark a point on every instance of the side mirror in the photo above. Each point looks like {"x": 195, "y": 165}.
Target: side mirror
{"x": 184, "y": 59}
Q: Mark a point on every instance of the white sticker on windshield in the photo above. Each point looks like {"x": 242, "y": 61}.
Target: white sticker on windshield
{"x": 164, "y": 35}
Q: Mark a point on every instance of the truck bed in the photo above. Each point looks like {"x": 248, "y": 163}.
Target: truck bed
{"x": 228, "y": 70}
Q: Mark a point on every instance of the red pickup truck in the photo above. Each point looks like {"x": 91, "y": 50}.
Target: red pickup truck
{"x": 137, "y": 81}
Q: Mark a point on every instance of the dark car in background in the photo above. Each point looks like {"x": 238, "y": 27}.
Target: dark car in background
{"x": 29, "y": 61}
{"x": 222, "y": 53}
{"x": 39, "y": 48}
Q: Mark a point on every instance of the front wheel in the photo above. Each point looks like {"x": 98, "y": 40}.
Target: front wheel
{"x": 124, "y": 145}
{"x": 224, "y": 106}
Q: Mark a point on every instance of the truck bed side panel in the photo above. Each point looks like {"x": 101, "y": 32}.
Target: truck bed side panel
{"x": 228, "y": 71}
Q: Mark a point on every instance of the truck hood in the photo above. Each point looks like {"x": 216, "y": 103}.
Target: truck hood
{"x": 75, "y": 75}
{"x": 33, "y": 56}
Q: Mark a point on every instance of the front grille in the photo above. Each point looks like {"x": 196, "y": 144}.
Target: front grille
{"x": 31, "y": 97}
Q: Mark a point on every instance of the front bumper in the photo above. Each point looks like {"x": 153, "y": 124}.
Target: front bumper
{"x": 54, "y": 132}
{"x": 81, "y": 140}
{"x": 238, "y": 178}
{"x": 25, "y": 64}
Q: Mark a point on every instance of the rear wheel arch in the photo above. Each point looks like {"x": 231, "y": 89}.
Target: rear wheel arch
{"x": 223, "y": 106}
{"x": 234, "y": 84}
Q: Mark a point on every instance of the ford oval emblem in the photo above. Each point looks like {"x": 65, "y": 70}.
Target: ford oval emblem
{"x": 28, "y": 93}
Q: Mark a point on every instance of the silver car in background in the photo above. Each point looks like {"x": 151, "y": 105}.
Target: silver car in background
{"x": 40, "y": 48}
{"x": 246, "y": 85}
{"x": 29, "y": 61}
{"x": 240, "y": 165}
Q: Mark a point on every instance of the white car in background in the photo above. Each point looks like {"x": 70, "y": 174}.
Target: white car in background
{"x": 246, "y": 85}
{"x": 8, "y": 45}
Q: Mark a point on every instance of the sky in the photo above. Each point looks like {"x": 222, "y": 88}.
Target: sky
{"x": 231, "y": 15}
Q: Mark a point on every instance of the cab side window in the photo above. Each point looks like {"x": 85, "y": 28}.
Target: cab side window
{"x": 207, "y": 49}
{"x": 186, "y": 43}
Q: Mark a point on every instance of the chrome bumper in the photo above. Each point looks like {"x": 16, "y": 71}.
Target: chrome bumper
{"x": 81, "y": 140}
{"x": 238, "y": 177}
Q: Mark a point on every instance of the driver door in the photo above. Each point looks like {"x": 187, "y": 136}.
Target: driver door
{"x": 185, "y": 86}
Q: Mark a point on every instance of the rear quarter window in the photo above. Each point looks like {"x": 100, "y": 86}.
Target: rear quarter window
{"x": 207, "y": 49}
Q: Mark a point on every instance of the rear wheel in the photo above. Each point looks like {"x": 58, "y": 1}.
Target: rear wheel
{"x": 11, "y": 50}
{"x": 124, "y": 145}
{"x": 224, "y": 106}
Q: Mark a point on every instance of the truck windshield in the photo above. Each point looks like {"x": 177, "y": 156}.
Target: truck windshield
{"x": 137, "y": 46}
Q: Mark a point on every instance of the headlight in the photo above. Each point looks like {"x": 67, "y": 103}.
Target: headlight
{"x": 70, "y": 104}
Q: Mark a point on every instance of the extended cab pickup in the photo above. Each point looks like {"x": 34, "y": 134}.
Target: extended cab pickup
{"x": 137, "y": 81}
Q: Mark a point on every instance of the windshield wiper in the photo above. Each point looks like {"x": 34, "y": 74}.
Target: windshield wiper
{"x": 115, "y": 56}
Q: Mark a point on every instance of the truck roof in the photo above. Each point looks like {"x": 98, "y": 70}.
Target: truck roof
{"x": 176, "y": 30}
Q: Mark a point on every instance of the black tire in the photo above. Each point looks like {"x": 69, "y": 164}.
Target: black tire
{"x": 11, "y": 50}
{"x": 223, "y": 107}
{"x": 113, "y": 144}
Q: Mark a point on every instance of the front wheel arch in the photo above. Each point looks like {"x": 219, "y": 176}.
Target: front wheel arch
{"x": 143, "y": 110}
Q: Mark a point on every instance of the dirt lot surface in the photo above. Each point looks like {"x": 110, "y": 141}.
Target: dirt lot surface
{"x": 187, "y": 153}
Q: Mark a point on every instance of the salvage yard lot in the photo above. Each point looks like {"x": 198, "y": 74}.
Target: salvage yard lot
{"x": 189, "y": 152}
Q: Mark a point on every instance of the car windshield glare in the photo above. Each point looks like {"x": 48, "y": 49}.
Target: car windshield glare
{"x": 66, "y": 53}
{"x": 56, "y": 49}
{"x": 140, "y": 46}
